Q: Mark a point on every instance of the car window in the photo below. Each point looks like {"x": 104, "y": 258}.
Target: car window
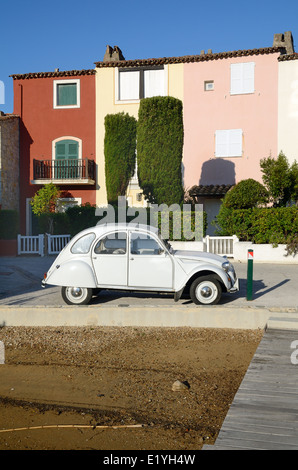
{"x": 82, "y": 245}
{"x": 141, "y": 244}
{"x": 112, "y": 244}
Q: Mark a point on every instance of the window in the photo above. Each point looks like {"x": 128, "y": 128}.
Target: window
{"x": 228, "y": 143}
{"x": 134, "y": 84}
{"x": 209, "y": 85}
{"x": 113, "y": 244}
{"x": 67, "y": 150}
{"x": 66, "y": 153}
{"x": 242, "y": 78}
{"x": 66, "y": 94}
{"x": 144, "y": 245}
{"x": 83, "y": 244}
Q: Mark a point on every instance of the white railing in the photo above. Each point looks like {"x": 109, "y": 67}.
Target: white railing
{"x": 35, "y": 244}
{"x": 31, "y": 245}
{"x": 223, "y": 246}
{"x": 56, "y": 243}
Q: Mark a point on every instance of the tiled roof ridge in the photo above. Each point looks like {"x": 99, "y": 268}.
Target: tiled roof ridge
{"x": 63, "y": 73}
{"x": 188, "y": 58}
{"x": 285, "y": 57}
{"x": 6, "y": 117}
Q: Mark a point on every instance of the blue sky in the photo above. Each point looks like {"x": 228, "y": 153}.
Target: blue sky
{"x": 71, "y": 34}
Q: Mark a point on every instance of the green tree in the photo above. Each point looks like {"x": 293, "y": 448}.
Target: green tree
{"x": 281, "y": 180}
{"x": 120, "y": 153}
{"x": 44, "y": 203}
{"x": 159, "y": 149}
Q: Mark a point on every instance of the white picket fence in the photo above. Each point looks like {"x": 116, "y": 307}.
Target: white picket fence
{"x": 39, "y": 244}
{"x": 56, "y": 243}
{"x": 53, "y": 244}
{"x": 223, "y": 246}
{"x": 31, "y": 245}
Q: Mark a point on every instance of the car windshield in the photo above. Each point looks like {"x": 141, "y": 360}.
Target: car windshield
{"x": 165, "y": 241}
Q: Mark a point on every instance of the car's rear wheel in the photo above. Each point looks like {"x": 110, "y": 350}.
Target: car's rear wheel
{"x": 76, "y": 295}
{"x": 205, "y": 290}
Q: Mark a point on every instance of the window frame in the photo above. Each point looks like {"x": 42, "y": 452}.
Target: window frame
{"x": 67, "y": 137}
{"x": 228, "y": 135}
{"x": 66, "y": 82}
{"x": 141, "y": 71}
{"x": 243, "y": 88}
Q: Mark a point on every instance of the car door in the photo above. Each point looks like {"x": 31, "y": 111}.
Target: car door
{"x": 150, "y": 266}
{"x": 109, "y": 259}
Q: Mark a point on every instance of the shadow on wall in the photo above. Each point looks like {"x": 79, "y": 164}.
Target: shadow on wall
{"x": 217, "y": 171}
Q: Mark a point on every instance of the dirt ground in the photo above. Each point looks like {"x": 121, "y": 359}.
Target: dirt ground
{"x": 111, "y": 388}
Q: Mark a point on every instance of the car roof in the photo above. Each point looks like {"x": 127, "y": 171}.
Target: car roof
{"x": 106, "y": 227}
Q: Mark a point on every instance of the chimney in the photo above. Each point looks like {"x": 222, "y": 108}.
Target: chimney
{"x": 113, "y": 54}
{"x": 284, "y": 41}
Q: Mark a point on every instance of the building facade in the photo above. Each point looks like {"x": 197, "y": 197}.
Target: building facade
{"x": 57, "y": 136}
{"x": 238, "y": 108}
{"x": 9, "y": 162}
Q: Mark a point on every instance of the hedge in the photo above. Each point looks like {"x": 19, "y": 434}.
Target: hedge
{"x": 78, "y": 218}
{"x": 260, "y": 225}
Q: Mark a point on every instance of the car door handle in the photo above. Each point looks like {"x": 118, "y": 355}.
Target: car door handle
{"x": 131, "y": 259}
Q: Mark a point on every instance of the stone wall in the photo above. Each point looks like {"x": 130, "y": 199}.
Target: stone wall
{"x": 9, "y": 162}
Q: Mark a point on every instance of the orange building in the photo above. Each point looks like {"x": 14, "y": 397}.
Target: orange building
{"x": 57, "y": 136}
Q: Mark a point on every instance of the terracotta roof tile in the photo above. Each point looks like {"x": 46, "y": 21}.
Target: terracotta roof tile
{"x": 188, "y": 58}
{"x": 285, "y": 57}
{"x": 65, "y": 73}
{"x": 210, "y": 190}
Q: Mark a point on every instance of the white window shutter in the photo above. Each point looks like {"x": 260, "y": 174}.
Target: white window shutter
{"x": 242, "y": 78}
{"x": 221, "y": 143}
{"x": 248, "y": 77}
{"x": 235, "y": 143}
{"x": 129, "y": 85}
{"x": 228, "y": 143}
{"x": 236, "y": 79}
{"x": 154, "y": 83}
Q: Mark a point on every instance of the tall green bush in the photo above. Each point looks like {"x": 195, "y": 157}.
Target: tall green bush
{"x": 120, "y": 153}
{"x": 159, "y": 149}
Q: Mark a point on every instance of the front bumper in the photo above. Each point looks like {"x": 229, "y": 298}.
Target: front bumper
{"x": 235, "y": 287}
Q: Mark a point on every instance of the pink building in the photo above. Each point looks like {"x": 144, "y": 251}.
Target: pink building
{"x": 230, "y": 120}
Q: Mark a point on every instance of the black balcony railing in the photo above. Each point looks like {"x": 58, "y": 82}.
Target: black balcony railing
{"x": 76, "y": 170}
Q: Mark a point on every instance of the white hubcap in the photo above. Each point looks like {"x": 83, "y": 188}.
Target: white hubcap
{"x": 206, "y": 292}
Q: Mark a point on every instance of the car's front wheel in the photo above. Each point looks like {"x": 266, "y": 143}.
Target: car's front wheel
{"x": 205, "y": 290}
{"x": 76, "y": 295}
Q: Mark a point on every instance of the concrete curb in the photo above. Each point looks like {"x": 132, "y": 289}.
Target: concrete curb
{"x": 148, "y": 316}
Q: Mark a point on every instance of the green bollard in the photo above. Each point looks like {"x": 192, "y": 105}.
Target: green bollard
{"x": 250, "y": 260}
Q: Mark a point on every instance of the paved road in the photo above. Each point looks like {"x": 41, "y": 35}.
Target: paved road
{"x": 275, "y": 285}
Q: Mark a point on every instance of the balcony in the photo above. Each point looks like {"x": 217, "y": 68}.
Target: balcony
{"x": 64, "y": 172}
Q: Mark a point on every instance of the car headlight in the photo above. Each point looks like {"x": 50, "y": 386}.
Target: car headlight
{"x": 226, "y": 266}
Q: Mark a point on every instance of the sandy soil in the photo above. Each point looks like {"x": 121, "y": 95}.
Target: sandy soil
{"x": 111, "y": 388}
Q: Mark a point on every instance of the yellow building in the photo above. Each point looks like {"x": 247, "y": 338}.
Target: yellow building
{"x": 120, "y": 85}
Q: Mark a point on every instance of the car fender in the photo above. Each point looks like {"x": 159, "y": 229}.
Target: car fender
{"x": 72, "y": 273}
{"x": 207, "y": 269}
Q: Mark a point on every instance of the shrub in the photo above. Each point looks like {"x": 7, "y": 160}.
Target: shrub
{"x": 260, "y": 225}
{"x": 159, "y": 149}
{"x": 246, "y": 194}
{"x": 120, "y": 153}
